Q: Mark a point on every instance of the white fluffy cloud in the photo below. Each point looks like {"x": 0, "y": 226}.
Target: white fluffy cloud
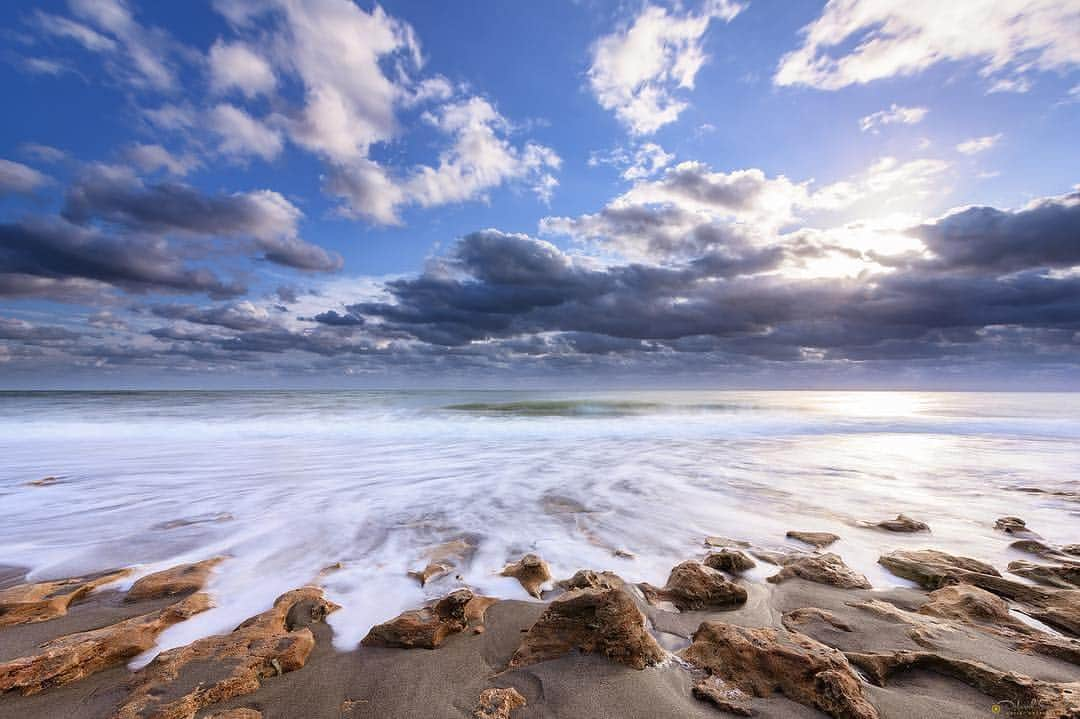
{"x": 151, "y": 158}
{"x": 636, "y": 163}
{"x": 638, "y": 70}
{"x": 16, "y": 177}
{"x": 978, "y": 144}
{"x": 145, "y": 51}
{"x": 859, "y": 42}
{"x": 895, "y": 114}
{"x": 243, "y": 136}
{"x": 235, "y": 66}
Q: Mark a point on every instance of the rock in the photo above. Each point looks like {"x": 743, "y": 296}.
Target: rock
{"x": 903, "y": 523}
{"x": 1060, "y": 609}
{"x": 1064, "y": 576}
{"x": 932, "y": 569}
{"x": 1038, "y": 698}
{"x": 723, "y": 696}
{"x": 39, "y": 602}
{"x": 693, "y": 586}
{"x": 807, "y": 615}
{"x": 236, "y": 714}
{"x": 970, "y": 605}
{"x": 726, "y": 542}
{"x": 729, "y": 560}
{"x": 182, "y": 579}
{"x": 816, "y": 539}
{"x": 1034, "y": 546}
{"x": 821, "y": 568}
{"x": 531, "y": 571}
{"x": 443, "y": 559}
{"x": 624, "y": 554}
{"x": 180, "y": 682}
{"x": 761, "y": 661}
{"x": 43, "y": 482}
{"x": 1011, "y": 525}
{"x": 498, "y": 703}
{"x": 588, "y": 579}
{"x": 1073, "y": 549}
{"x": 75, "y": 656}
{"x": 594, "y": 621}
{"x": 425, "y": 628}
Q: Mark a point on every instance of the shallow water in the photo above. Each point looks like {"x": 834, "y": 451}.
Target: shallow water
{"x": 286, "y": 483}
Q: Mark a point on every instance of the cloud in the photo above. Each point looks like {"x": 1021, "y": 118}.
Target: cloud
{"x": 17, "y": 178}
{"x": 638, "y": 70}
{"x": 151, "y": 158}
{"x": 235, "y": 66}
{"x": 332, "y": 318}
{"x": 242, "y": 316}
{"x": 859, "y": 42}
{"x": 116, "y": 197}
{"x": 894, "y": 115}
{"x": 42, "y": 153}
{"x": 242, "y": 135}
{"x": 19, "y": 330}
{"x": 978, "y": 144}
{"x": 642, "y": 161}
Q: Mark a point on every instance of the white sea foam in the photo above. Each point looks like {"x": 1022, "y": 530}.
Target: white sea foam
{"x": 286, "y": 483}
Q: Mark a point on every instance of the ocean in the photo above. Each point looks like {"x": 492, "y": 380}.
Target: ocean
{"x": 287, "y": 483}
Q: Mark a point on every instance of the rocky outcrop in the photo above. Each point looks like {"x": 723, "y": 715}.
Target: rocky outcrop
{"x": 180, "y": 682}
{"x": 41, "y": 601}
{"x": 815, "y": 539}
{"x": 903, "y": 523}
{"x": 714, "y": 541}
{"x": 428, "y": 627}
{"x": 1011, "y": 525}
{"x": 821, "y": 568}
{"x": 809, "y": 615}
{"x": 1064, "y": 576}
{"x": 531, "y": 572}
{"x": 236, "y": 714}
{"x": 443, "y": 559}
{"x": 1034, "y": 546}
{"x": 723, "y": 696}
{"x": 498, "y": 703}
{"x": 182, "y": 579}
{"x": 970, "y": 605}
{"x": 762, "y": 661}
{"x": 588, "y": 579}
{"x": 932, "y": 569}
{"x": 593, "y": 621}
{"x": 79, "y": 655}
{"x": 694, "y": 586}
{"x": 729, "y": 560}
{"x": 1040, "y": 699}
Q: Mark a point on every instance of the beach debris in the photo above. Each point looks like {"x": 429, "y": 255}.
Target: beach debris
{"x": 729, "y": 560}
{"x": 723, "y": 696}
{"x": 588, "y": 579}
{"x": 498, "y": 703}
{"x": 41, "y": 601}
{"x": 593, "y": 621}
{"x": 694, "y": 586}
{"x": 531, "y": 572}
{"x": 181, "y": 579}
{"x": 1041, "y": 699}
{"x": 932, "y": 569}
{"x": 1064, "y": 576}
{"x": 761, "y": 661}
{"x": 903, "y": 523}
{"x": 443, "y": 559}
{"x": 427, "y": 627}
{"x": 75, "y": 656}
{"x": 826, "y": 568}
{"x": 815, "y": 539}
{"x": 182, "y": 681}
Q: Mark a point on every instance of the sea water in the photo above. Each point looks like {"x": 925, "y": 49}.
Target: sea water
{"x": 285, "y": 484}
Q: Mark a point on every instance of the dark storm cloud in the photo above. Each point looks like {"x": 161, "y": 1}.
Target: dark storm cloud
{"x": 12, "y": 329}
{"x": 242, "y": 317}
{"x": 332, "y": 318}
{"x": 265, "y": 218}
{"x": 38, "y": 257}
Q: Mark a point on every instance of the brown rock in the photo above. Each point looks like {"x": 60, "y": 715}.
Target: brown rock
{"x": 693, "y": 586}
{"x": 594, "y": 621}
{"x": 723, "y": 696}
{"x": 765, "y": 660}
{"x": 180, "y": 682}
{"x": 79, "y": 655}
{"x": 236, "y": 714}
{"x": 182, "y": 579}
{"x": 821, "y": 568}
{"x": 43, "y": 482}
{"x": 1073, "y": 549}
{"x": 530, "y": 571}
{"x": 498, "y": 703}
{"x": 805, "y": 615}
{"x": 1060, "y": 609}
{"x": 443, "y": 559}
{"x": 588, "y": 579}
{"x": 903, "y": 523}
{"x": 425, "y": 628}
{"x": 1011, "y": 525}
{"x": 729, "y": 560}
{"x": 39, "y": 602}
{"x": 1064, "y": 576}
{"x": 1034, "y": 546}
{"x": 932, "y": 569}
{"x": 1040, "y": 698}
{"x": 816, "y": 539}
{"x": 726, "y": 542}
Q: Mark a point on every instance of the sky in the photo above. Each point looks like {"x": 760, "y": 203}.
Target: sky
{"x": 728, "y": 193}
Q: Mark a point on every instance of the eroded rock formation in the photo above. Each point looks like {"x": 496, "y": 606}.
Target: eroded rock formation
{"x": 815, "y": 539}
{"x": 498, "y": 703}
{"x": 41, "y": 601}
{"x": 182, "y": 579}
{"x": 428, "y": 627}
{"x": 531, "y": 572}
{"x": 821, "y": 568}
{"x": 694, "y": 586}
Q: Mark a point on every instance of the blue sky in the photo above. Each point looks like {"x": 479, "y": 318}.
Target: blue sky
{"x": 722, "y": 193}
